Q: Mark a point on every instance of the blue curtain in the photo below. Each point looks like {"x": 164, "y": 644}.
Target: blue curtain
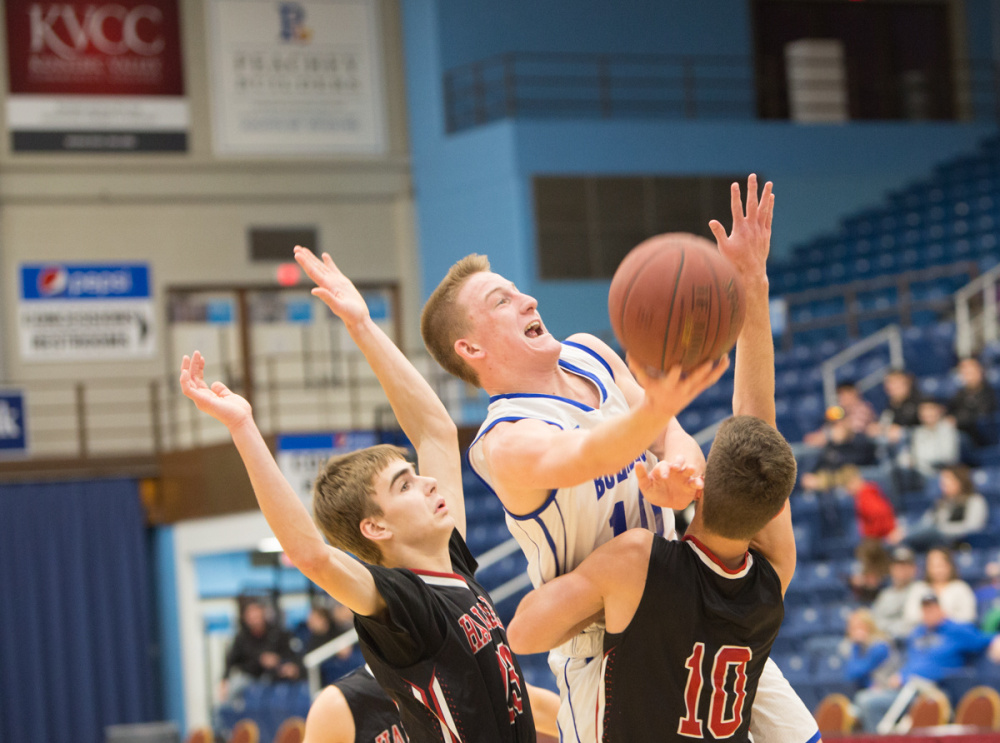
{"x": 75, "y": 613}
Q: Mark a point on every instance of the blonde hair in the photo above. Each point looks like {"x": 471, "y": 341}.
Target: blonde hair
{"x": 865, "y": 615}
{"x": 342, "y": 498}
{"x": 443, "y": 320}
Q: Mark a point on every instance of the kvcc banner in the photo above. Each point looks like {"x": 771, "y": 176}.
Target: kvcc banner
{"x": 93, "y": 77}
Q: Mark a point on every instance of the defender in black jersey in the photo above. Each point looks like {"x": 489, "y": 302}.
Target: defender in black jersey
{"x": 689, "y": 624}
{"x": 354, "y": 709}
{"x": 428, "y": 631}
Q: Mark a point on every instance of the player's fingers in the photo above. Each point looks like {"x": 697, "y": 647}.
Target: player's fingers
{"x": 220, "y": 389}
{"x": 770, "y": 213}
{"x": 718, "y": 230}
{"x": 328, "y": 261}
{"x": 641, "y": 474}
{"x": 735, "y": 203}
{"x": 752, "y": 201}
{"x": 307, "y": 259}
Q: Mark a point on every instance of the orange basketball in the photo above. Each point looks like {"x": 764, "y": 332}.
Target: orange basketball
{"x": 676, "y": 300}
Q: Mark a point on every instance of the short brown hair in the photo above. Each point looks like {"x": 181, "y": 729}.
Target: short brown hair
{"x": 443, "y": 322}
{"x": 342, "y": 498}
{"x": 748, "y": 477}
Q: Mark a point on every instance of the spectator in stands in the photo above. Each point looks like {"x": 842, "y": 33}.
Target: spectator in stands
{"x": 938, "y": 647}
{"x": 935, "y": 442}
{"x": 900, "y": 413}
{"x": 958, "y": 602}
{"x": 873, "y": 566}
{"x": 843, "y": 447}
{"x": 261, "y": 650}
{"x": 959, "y": 512}
{"x": 889, "y": 606}
{"x": 319, "y": 630}
{"x": 988, "y": 599}
{"x": 857, "y": 412}
{"x": 872, "y": 657}
{"x": 875, "y": 514}
{"x": 974, "y": 403}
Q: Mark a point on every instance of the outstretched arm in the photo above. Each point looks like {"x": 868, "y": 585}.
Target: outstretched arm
{"x": 747, "y": 247}
{"x": 610, "y": 581}
{"x": 423, "y": 416}
{"x": 333, "y": 570}
{"x": 529, "y": 458}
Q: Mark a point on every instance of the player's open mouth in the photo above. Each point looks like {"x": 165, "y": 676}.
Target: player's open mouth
{"x": 441, "y": 506}
{"x": 534, "y": 329}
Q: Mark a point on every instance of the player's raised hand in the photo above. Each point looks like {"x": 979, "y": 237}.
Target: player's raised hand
{"x": 332, "y": 286}
{"x": 669, "y": 394}
{"x": 218, "y": 400}
{"x": 670, "y": 484}
{"x": 749, "y": 241}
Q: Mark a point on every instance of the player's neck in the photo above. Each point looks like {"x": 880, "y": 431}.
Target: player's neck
{"x": 547, "y": 379}
{"x": 730, "y": 552}
{"x": 435, "y": 559}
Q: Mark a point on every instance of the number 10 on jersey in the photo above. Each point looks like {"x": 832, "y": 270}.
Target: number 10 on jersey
{"x": 720, "y": 724}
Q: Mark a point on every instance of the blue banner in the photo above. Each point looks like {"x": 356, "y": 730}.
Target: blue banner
{"x": 55, "y": 281}
{"x": 13, "y": 432}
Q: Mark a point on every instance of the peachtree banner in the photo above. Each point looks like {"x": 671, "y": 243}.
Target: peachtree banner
{"x": 71, "y": 312}
{"x": 300, "y": 456}
{"x": 93, "y": 77}
{"x": 296, "y": 77}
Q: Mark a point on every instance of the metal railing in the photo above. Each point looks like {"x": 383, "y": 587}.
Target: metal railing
{"x": 72, "y": 419}
{"x": 852, "y": 313}
{"x": 976, "y": 321}
{"x": 890, "y": 335}
{"x": 548, "y": 85}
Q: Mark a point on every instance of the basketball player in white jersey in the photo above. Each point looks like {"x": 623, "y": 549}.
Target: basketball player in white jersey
{"x": 564, "y": 447}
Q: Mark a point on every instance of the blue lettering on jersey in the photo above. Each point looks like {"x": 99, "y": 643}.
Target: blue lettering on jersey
{"x": 606, "y": 483}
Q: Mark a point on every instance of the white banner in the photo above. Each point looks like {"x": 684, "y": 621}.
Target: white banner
{"x": 296, "y": 78}
{"x": 97, "y": 113}
{"x": 86, "y": 330}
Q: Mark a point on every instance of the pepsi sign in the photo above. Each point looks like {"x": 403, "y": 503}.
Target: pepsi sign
{"x": 84, "y": 282}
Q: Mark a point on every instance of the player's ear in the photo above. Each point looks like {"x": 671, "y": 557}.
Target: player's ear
{"x": 375, "y": 530}
{"x": 783, "y": 507}
{"x": 467, "y": 350}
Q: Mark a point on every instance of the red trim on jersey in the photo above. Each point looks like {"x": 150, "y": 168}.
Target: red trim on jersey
{"x": 711, "y": 556}
{"x": 432, "y": 574}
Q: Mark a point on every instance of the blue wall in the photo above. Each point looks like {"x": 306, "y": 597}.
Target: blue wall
{"x": 168, "y": 625}
{"x": 475, "y": 29}
{"x": 473, "y": 188}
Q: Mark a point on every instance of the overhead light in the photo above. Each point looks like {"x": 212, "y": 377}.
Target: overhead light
{"x": 269, "y": 544}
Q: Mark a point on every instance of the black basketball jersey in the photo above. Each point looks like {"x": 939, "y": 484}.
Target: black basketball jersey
{"x": 441, "y": 653}
{"x": 376, "y": 719}
{"x": 688, "y": 664}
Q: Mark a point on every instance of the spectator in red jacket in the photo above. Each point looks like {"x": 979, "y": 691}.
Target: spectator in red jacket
{"x": 876, "y": 517}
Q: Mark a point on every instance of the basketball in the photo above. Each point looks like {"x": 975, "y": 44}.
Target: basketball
{"x": 676, "y": 300}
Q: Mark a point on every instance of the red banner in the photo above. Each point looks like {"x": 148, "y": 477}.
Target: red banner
{"x": 124, "y": 47}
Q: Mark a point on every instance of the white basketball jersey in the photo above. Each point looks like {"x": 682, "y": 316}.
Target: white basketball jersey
{"x": 573, "y": 521}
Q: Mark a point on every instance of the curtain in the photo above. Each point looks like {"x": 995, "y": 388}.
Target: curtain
{"x": 75, "y": 612}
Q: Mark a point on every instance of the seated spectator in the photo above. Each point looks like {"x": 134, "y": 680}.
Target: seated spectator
{"x": 875, "y": 514}
{"x": 889, "y": 606}
{"x": 958, "y": 602}
{"x": 857, "y": 411}
{"x": 872, "y": 658}
{"x": 935, "y": 442}
{"x": 318, "y": 631}
{"x": 843, "y": 447}
{"x": 936, "y": 648}
{"x": 974, "y": 403}
{"x": 988, "y": 599}
{"x": 959, "y": 512}
{"x": 900, "y": 413}
{"x": 873, "y": 566}
{"x": 260, "y": 651}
